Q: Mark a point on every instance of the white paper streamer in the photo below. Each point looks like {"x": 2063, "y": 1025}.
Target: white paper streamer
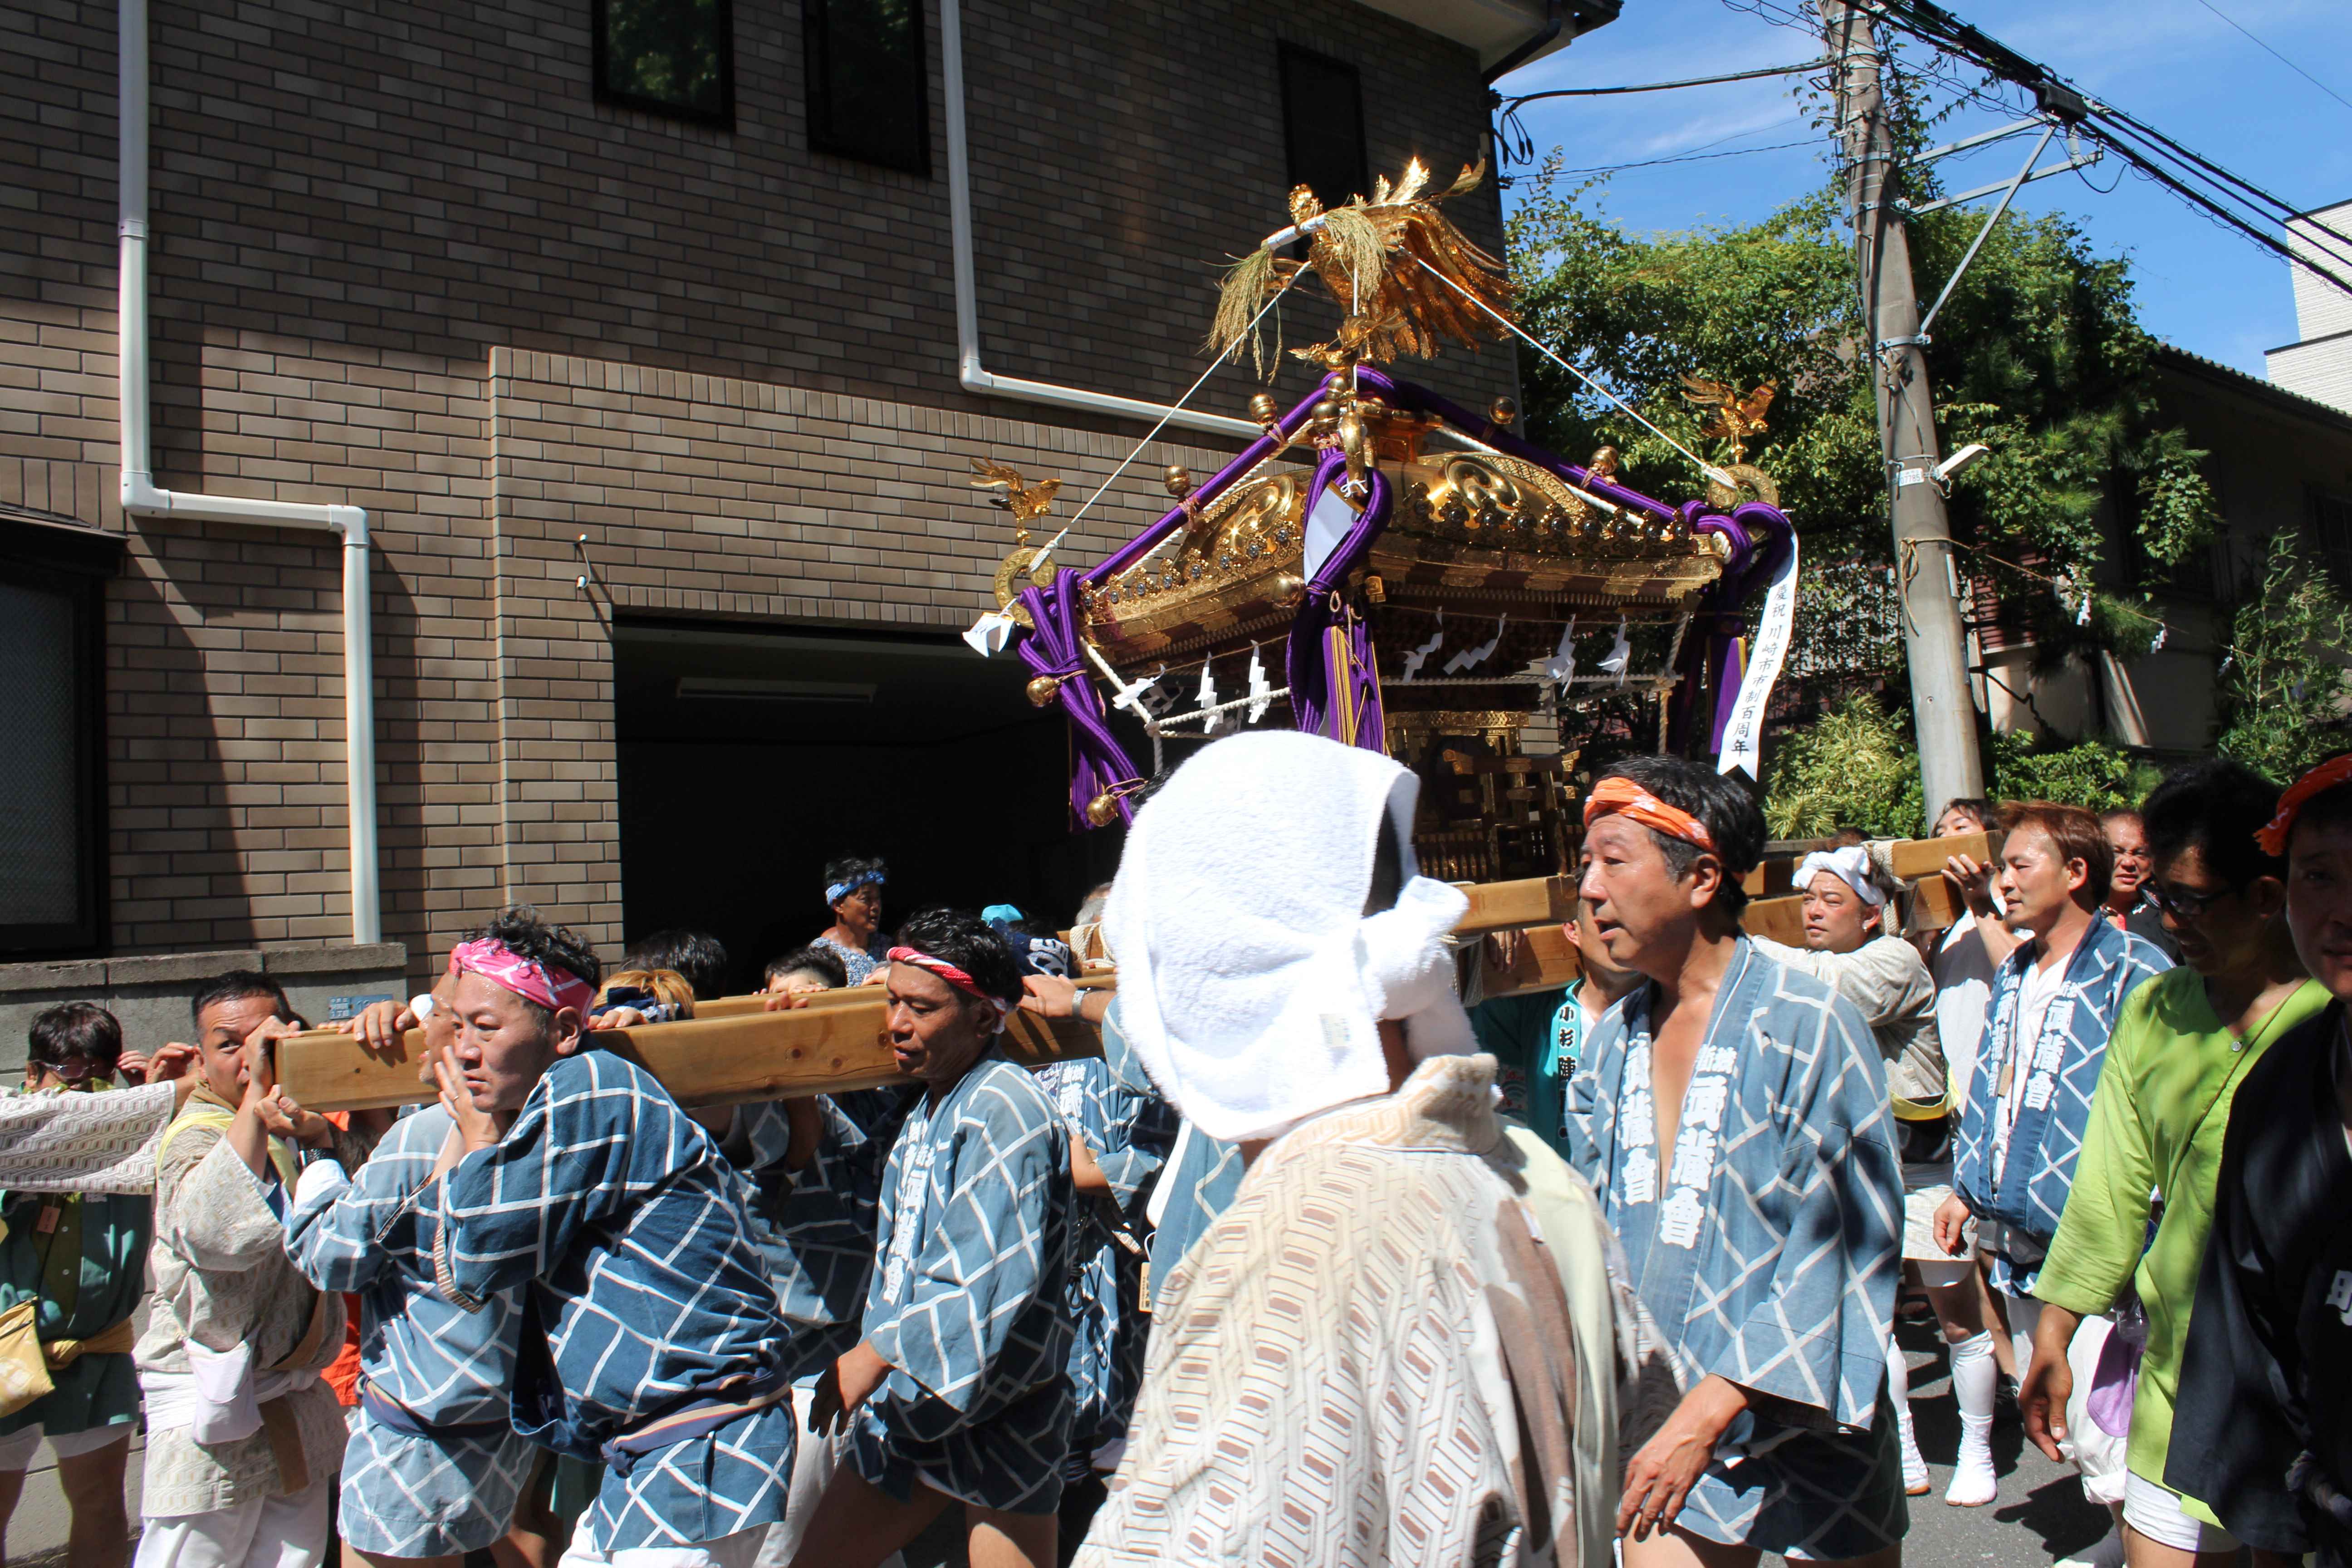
{"x": 1561, "y": 665}
{"x": 1261, "y": 690}
{"x": 1207, "y": 701}
{"x": 1621, "y": 654}
{"x": 1471, "y": 657}
{"x": 1420, "y": 656}
{"x": 1743, "y": 737}
{"x": 987, "y": 634}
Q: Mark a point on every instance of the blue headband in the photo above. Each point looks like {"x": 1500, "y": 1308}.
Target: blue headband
{"x": 835, "y": 893}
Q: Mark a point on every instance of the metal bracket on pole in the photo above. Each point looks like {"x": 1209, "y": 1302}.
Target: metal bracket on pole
{"x": 1982, "y": 233}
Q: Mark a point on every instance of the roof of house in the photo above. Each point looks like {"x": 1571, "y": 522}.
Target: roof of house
{"x": 2173, "y": 357}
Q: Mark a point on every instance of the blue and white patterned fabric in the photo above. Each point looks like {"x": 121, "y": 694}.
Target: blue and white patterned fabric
{"x": 970, "y": 1262}
{"x": 1130, "y": 1134}
{"x": 1766, "y": 1245}
{"x": 857, "y": 964}
{"x": 646, "y": 1290}
{"x": 1196, "y": 1175}
{"x": 816, "y": 1224}
{"x": 404, "y": 1494}
{"x": 2056, "y": 1080}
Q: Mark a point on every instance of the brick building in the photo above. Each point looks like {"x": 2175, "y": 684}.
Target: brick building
{"x": 683, "y": 297}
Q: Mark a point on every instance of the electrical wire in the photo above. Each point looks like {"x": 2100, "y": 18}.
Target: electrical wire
{"x": 1758, "y": 74}
{"x": 1694, "y": 157}
{"x": 2281, "y": 60}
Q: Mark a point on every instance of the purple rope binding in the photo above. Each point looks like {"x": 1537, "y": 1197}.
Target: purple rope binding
{"x": 1316, "y": 689}
{"x": 1055, "y": 648}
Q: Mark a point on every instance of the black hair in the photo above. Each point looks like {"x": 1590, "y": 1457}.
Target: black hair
{"x": 695, "y": 957}
{"x": 2214, "y": 807}
{"x": 519, "y": 929}
{"x": 814, "y": 958}
{"x": 2329, "y": 808}
{"x": 1727, "y": 811}
{"x": 971, "y": 944}
{"x": 236, "y": 985}
{"x": 82, "y": 1030}
{"x": 855, "y": 869}
{"x": 1983, "y": 810}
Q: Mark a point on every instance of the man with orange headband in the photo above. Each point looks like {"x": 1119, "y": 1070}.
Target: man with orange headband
{"x": 2259, "y": 1431}
{"x": 1732, "y": 1115}
{"x": 651, "y": 1338}
{"x": 957, "y": 1393}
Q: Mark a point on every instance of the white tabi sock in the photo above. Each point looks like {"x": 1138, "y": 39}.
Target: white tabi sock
{"x": 1916, "y": 1481}
{"x": 1974, "y": 1375}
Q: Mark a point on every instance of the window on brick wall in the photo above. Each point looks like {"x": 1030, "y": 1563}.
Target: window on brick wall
{"x": 869, "y": 95}
{"x": 1323, "y": 125}
{"x": 672, "y": 57}
{"x": 52, "y": 709}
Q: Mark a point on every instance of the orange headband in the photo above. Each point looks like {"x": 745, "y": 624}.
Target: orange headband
{"x": 2273, "y": 835}
{"x": 1619, "y": 796}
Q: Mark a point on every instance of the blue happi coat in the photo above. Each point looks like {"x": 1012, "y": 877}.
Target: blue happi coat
{"x": 646, "y": 1291}
{"x": 405, "y": 1493}
{"x": 817, "y": 1223}
{"x": 1766, "y": 1243}
{"x": 2056, "y": 1079}
{"x": 1129, "y": 1132}
{"x": 970, "y": 1258}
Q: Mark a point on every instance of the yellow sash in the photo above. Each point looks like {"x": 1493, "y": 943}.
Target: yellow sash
{"x": 206, "y": 1109}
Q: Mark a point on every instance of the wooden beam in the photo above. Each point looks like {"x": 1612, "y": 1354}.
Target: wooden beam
{"x": 1543, "y": 959}
{"x": 1913, "y": 859}
{"x": 1511, "y": 906}
{"x": 831, "y": 1046}
{"x": 1782, "y": 920}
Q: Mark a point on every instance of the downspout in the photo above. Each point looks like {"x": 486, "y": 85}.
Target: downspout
{"x": 1537, "y": 40}
{"x": 142, "y": 498}
{"x": 970, "y": 371}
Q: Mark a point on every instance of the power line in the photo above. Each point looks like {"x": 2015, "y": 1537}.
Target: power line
{"x": 2281, "y": 60}
{"x": 1694, "y": 157}
{"x": 1760, "y": 72}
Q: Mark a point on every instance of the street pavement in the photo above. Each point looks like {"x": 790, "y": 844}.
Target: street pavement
{"x": 2041, "y": 1515}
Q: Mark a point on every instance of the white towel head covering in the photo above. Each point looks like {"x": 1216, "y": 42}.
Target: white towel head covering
{"x": 1850, "y": 864}
{"x": 1250, "y": 980}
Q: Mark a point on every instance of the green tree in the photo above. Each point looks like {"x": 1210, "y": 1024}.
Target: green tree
{"x": 2038, "y": 355}
{"x": 2283, "y": 691}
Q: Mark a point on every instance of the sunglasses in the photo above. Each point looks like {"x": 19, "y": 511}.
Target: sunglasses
{"x": 2182, "y": 904}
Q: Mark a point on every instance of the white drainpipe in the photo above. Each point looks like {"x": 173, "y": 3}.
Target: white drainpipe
{"x": 967, "y": 291}
{"x": 142, "y": 498}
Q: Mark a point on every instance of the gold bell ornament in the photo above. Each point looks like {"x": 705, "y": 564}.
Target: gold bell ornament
{"x": 1044, "y": 690}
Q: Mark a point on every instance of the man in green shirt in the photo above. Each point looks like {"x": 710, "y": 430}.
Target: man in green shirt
{"x": 2180, "y": 1047}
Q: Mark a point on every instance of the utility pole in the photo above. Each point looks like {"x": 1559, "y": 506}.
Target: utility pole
{"x": 1926, "y": 570}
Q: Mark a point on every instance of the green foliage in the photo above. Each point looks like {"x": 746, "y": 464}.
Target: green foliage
{"x": 1856, "y": 767}
{"x": 2283, "y": 691}
{"x": 2037, "y": 356}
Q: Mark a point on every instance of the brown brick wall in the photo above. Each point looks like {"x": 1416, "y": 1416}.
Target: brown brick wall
{"x": 401, "y": 260}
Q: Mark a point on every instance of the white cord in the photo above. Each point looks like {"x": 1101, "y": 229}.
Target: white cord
{"x": 1709, "y": 470}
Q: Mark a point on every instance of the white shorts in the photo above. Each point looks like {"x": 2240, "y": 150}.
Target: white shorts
{"x": 17, "y": 1449}
{"x": 2096, "y": 1454}
{"x": 1920, "y": 1206}
{"x": 740, "y": 1550}
{"x": 261, "y": 1533}
{"x": 2156, "y": 1512}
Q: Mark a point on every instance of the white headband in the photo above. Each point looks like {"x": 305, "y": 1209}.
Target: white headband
{"x": 1850, "y": 864}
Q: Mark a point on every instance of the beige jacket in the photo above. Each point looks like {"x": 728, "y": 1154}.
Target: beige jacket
{"x": 221, "y": 1278}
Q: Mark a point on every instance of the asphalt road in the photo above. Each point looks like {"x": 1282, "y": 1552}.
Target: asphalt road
{"x": 2041, "y": 1515}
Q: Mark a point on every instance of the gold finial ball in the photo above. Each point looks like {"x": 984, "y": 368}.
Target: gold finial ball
{"x": 1044, "y": 690}
{"x": 1103, "y": 810}
{"x": 1504, "y": 411}
{"x": 1179, "y": 480}
{"x": 1604, "y": 464}
{"x": 1325, "y": 412}
{"x": 1263, "y": 409}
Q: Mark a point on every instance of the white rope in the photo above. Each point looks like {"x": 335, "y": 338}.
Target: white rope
{"x": 1709, "y": 470}
{"x": 1175, "y": 718}
{"x": 1153, "y": 434}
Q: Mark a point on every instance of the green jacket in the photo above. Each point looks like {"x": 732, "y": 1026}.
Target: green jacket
{"x": 1537, "y": 1038}
{"x": 2157, "y": 1117}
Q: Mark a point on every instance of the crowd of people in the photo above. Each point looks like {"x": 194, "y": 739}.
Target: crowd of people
{"x": 1321, "y": 1260}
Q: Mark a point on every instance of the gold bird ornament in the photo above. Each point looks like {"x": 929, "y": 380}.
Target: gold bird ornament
{"x": 1736, "y": 417}
{"x": 1393, "y": 262}
{"x": 1025, "y": 501}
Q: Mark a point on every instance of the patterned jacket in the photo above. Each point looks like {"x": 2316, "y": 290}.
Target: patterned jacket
{"x": 2058, "y": 1078}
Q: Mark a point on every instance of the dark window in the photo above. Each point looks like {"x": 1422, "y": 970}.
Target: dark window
{"x": 672, "y": 57}
{"x": 868, "y": 98}
{"x": 2331, "y": 526}
{"x": 1323, "y": 126}
{"x": 52, "y": 704}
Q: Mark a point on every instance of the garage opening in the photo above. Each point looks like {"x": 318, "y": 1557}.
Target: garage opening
{"x": 749, "y": 758}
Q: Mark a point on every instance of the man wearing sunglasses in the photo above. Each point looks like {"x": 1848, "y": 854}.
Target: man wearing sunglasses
{"x": 2182, "y": 1046}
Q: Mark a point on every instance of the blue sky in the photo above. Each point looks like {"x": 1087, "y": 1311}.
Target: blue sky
{"x": 2174, "y": 64}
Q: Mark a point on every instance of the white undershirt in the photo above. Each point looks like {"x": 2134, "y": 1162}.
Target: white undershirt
{"x": 2039, "y": 989}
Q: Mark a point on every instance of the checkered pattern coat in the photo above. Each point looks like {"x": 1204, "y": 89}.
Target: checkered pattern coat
{"x": 1780, "y": 1275}
{"x": 645, "y": 1287}
{"x": 406, "y": 1496}
{"x": 971, "y": 1254}
{"x": 2057, "y": 1080}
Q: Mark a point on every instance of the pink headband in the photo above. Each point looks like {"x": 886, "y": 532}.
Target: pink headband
{"x": 553, "y": 989}
{"x": 951, "y": 975}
